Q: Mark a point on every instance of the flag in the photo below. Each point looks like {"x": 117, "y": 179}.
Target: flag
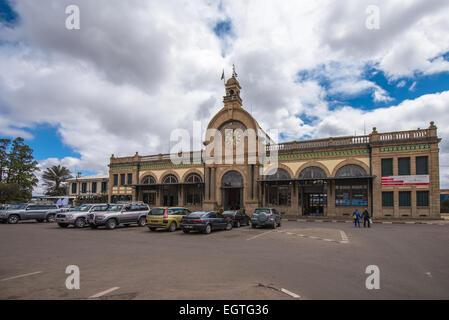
{"x": 222, "y": 75}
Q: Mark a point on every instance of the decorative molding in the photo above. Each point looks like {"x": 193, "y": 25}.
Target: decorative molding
{"x": 417, "y": 147}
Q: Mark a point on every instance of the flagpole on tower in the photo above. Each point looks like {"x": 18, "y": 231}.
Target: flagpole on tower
{"x": 223, "y": 77}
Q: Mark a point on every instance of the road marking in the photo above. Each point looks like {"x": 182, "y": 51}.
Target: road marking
{"x": 291, "y": 294}
{"x": 344, "y": 237}
{"x": 98, "y": 295}
{"x": 429, "y": 274}
{"x": 22, "y": 275}
{"x": 261, "y": 234}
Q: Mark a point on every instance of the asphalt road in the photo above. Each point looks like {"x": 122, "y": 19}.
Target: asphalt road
{"x": 309, "y": 260}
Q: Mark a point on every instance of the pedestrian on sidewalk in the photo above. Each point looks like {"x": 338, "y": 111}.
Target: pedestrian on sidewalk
{"x": 366, "y": 218}
{"x": 356, "y": 217}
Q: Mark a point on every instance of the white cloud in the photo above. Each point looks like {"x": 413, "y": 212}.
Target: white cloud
{"x": 138, "y": 69}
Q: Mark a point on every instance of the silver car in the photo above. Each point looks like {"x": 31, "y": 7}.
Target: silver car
{"x": 120, "y": 214}
{"x": 78, "y": 216}
{"x": 32, "y": 211}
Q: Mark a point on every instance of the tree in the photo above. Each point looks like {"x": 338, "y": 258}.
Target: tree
{"x": 22, "y": 166}
{"x": 4, "y": 144}
{"x": 12, "y": 193}
{"x": 55, "y": 178}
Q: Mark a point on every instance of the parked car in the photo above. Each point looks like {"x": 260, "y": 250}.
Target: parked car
{"x": 263, "y": 217}
{"x": 118, "y": 214}
{"x": 32, "y": 211}
{"x": 205, "y": 221}
{"x": 238, "y": 218}
{"x": 168, "y": 218}
{"x": 78, "y": 216}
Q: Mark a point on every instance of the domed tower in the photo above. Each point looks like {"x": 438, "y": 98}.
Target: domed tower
{"x": 232, "y": 98}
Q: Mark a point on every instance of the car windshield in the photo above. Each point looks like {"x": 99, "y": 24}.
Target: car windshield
{"x": 229, "y": 213}
{"x": 258, "y": 211}
{"x": 157, "y": 212}
{"x": 115, "y": 208}
{"x": 18, "y": 206}
{"x": 83, "y": 208}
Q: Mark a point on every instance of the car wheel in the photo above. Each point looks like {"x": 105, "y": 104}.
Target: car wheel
{"x": 153, "y": 229}
{"x": 63, "y": 225}
{"x": 279, "y": 224}
{"x": 237, "y": 225}
{"x": 111, "y": 224}
{"x": 185, "y": 230}
{"x": 228, "y": 226}
{"x": 13, "y": 219}
{"x": 51, "y": 217}
{"x": 208, "y": 229}
{"x": 80, "y": 223}
{"x": 274, "y": 225}
{"x": 142, "y": 222}
{"x": 172, "y": 227}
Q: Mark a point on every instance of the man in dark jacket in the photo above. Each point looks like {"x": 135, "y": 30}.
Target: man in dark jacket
{"x": 366, "y": 218}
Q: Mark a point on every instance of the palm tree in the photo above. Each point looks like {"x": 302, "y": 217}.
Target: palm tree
{"x": 55, "y": 178}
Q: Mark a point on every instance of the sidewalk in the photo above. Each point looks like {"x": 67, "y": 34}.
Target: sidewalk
{"x": 434, "y": 222}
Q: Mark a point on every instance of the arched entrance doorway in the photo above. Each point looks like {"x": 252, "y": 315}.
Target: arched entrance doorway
{"x": 232, "y": 190}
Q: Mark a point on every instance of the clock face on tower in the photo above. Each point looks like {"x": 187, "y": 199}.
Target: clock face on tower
{"x": 233, "y": 137}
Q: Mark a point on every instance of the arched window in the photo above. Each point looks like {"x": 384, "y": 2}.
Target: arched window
{"x": 193, "y": 178}
{"x": 193, "y": 194}
{"x": 232, "y": 179}
{"x": 170, "y": 178}
{"x": 279, "y": 174}
{"x": 312, "y": 173}
{"x": 278, "y": 192}
{"x": 351, "y": 170}
{"x": 148, "y": 180}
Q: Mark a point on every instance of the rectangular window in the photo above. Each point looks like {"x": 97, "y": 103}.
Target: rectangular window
{"x": 74, "y": 185}
{"x": 130, "y": 178}
{"x": 422, "y": 198}
{"x": 405, "y": 199}
{"x": 104, "y": 187}
{"x": 404, "y": 166}
{"x": 94, "y": 187}
{"x": 387, "y": 199}
{"x": 387, "y": 167}
{"x": 422, "y": 165}
{"x": 122, "y": 179}
{"x": 351, "y": 194}
{"x": 115, "y": 179}
{"x": 84, "y": 187}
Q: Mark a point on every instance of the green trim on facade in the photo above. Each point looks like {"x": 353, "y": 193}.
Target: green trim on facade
{"x": 417, "y": 147}
{"x": 324, "y": 154}
{"x": 123, "y": 168}
{"x": 169, "y": 165}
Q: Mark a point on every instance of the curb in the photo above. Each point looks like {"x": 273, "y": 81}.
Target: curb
{"x": 440, "y": 223}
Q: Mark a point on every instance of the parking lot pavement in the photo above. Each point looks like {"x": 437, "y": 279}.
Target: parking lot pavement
{"x": 310, "y": 261}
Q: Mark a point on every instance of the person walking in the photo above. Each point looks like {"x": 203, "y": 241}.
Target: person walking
{"x": 356, "y": 217}
{"x": 366, "y": 218}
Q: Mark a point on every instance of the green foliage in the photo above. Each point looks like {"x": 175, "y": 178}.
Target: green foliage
{"x": 17, "y": 170}
{"x": 55, "y": 178}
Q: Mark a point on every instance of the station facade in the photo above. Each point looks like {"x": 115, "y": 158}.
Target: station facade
{"x": 393, "y": 174}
